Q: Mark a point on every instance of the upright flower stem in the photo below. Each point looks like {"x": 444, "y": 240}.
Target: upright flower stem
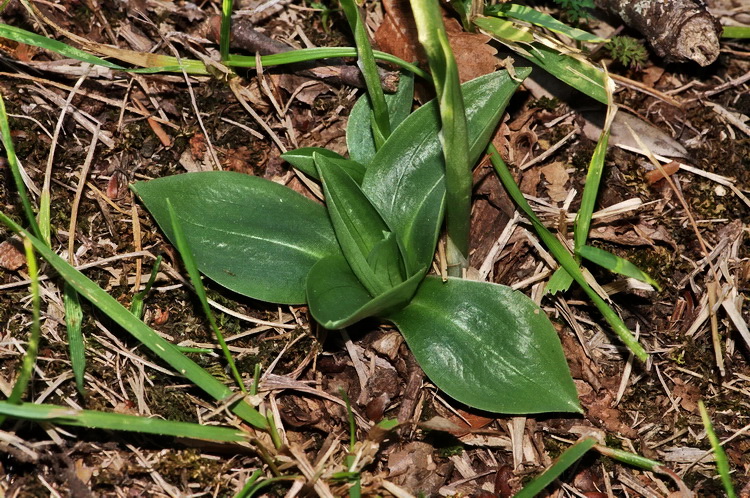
{"x": 454, "y": 136}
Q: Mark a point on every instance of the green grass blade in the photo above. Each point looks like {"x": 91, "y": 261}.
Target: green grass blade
{"x": 29, "y": 360}
{"x": 225, "y": 32}
{"x": 119, "y": 422}
{"x": 631, "y": 458}
{"x": 33, "y": 39}
{"x": 567, "y": 459}
{"x": 15, "y": 170}
{"x": 366, "y": 61}
{"x": 136, "y": 305}
{"x": 722, "y": 464}
{"x": 616, "y": 264}
{"x": 564, "y": 257}
{"x": 736, "y": 32}
{"x": 505, "y": 29}
{"x": 195, "y": 277}
{"x": 533, "y": 16}
{"x": 593, "y": 180}
{"x": 120, "y": 315}
{"x": 454, "y": 132}
{"x": 73, "y": 322}
{"x": 311, "y": 54}
{"x": 193, "y": 66}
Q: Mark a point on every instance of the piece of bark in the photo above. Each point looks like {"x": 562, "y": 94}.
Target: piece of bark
{"x": 678, "y": 30}
{"x": 335, "y": 71}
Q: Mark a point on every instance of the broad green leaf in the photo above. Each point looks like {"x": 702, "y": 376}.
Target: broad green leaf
{"x": 139, "y": 330}
{"x": 487, "y": 346}
{"x": 533, "y": 16}
{"x": 338, "y": 299}
{"x": 385, "y": 260}
{"x": 252, "y": 236}
{"x": 564, "y": 462}
{"x": 302, "y": 159}
{"x": 616, "y": 264}
{"x": 359, "y": 138}
{"x": 358, "y": 226}
{"x": 507, "y": 30}
{"x": 406, "y": 179}
{"x": 64, "y": 415}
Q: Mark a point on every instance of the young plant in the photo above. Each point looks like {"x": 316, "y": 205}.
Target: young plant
{"x": 366, "y": 253}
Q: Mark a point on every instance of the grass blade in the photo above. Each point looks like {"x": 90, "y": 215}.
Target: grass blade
{"x": 593, "y": 177}
{"x": 381, "y": 125}
{"x": 73, "y": 322}
{"x": 136, "y": 305}
{"x": 454, "y": 132}
{"x": 616, "y": 264}
{"x": 15, "y": 170}
{"x": 312, "y": 54}
{"x": 568, "y": 458}
{"x": 120, "y": 315}
{"x": 533, "y": 16}
{"x": 195, "y": 277}
{"x": 722, "y": 464}
{"x": 120, "y": 422}
{"x": 29, "y": 360}
{"x": 225, "y": 31}
{"x": 564, "y": 257}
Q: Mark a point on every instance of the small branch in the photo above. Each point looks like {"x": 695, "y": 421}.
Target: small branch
{"x": 678, "y": 30}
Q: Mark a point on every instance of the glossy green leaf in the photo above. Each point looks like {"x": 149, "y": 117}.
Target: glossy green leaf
{"x": 616, "y": 264}
{"x": 534, "y": 16}
{"x": 358, "y": 226}
{"x": 406, "y": 179}
{"x": 338, "y": 299}
{"x": 359, "y": 138}
{"x": 302, "y": 159}
{"x": 253, "y": 236}
{"x": 564, "y": 462}
{"x": 488, "y": 346}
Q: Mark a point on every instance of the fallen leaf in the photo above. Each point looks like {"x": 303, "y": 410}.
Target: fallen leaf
{"x": 11, "y": 255}
{"x": 556, "y": 175}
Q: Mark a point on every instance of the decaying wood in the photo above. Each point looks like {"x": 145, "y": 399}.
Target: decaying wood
{"x": 678, "y": 30}
{"x": 336, "y": 72}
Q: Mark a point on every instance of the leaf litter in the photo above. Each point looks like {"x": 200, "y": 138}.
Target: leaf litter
{"x": 653, "y": 415}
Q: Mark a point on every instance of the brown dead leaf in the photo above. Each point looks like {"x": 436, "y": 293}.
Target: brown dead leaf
{"x": 689, "y": 393}
{"x": 397, "y": 35}
{"x": 11, "y": 255}
{"x": 473, "y": 56}
{"x": 556, "y": 175}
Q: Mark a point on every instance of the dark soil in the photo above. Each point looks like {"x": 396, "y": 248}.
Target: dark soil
{"x": 650, "y": 409}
